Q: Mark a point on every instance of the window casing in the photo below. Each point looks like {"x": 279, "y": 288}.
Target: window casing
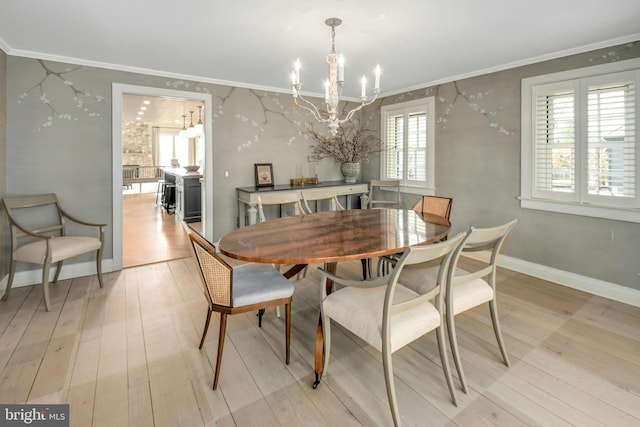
{"x": 580, "y": 151}
{"x": 408, "y": 135}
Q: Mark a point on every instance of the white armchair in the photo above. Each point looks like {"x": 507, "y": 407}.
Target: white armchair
{"x": 388, "y": 315}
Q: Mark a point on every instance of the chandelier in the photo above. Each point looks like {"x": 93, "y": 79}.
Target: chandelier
{"x": 333, "y": 87}
{"x": 192, "y": 131}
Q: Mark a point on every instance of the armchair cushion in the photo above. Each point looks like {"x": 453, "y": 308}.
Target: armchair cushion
{"x": 62, "y": 247}
{"x": 470, "y": 294}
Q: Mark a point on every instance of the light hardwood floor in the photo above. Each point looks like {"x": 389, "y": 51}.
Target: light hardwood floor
{"x": 150, "y": 234}
{"x": 128, "y": 354}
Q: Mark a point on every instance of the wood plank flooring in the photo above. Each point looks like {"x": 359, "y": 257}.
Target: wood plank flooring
{"x": 127, "y": 355}
{"x": 150, "y": 234}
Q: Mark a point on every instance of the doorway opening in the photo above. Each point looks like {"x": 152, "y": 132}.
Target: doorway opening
{"x": 127, "y": 102}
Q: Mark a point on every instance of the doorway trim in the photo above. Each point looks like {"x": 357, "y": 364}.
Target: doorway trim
{"x": 118, "y": 90}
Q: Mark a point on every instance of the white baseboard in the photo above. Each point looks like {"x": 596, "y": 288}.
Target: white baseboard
{"x": 593, "y": 286}
{"x": 583, "y": 283}
{"x": 69, "y": 271}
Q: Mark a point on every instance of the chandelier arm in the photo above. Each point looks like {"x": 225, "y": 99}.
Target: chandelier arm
{"x": 313, "y": 110}
{"x": 358, "y": 108}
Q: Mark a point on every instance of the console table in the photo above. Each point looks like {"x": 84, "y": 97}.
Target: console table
{"x": 248, "y": 196}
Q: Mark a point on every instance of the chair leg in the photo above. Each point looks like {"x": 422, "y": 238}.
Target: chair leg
{"x": 206, "y": 327}
{"x": 493, "y": 307}
{"x": 12, "y": 270}
{"x": 287, "y": 317}
{"x": 45, "y": 284}
{"x": 260, "y": 314}
{"x": 326, "y": 338}
{"x": 366, "y": 269}
{"x": 58, "y": 269}
{"x": 445, "y": 363}
{"x": 453, "y": 341}
{"x": 387, "y": 365}
{"x": 99, "y": 267}
{"x": 223, "y": 331}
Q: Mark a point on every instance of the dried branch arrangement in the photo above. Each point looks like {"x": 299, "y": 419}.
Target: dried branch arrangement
{"x": 351, "y": 144}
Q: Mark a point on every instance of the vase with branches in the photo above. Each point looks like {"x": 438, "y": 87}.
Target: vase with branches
{"x": 351, "y": 145}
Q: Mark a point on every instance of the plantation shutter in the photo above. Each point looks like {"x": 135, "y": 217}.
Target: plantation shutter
{"x": 394, "y": 145}
{"x": 417, "y": 148}
{"x": 406, "y": 140}
{"x": 554, "y": 141}
{"x": 611, "y": 140}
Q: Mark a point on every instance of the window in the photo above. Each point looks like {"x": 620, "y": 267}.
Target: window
{"x": 172, "y": 146}
{"x": 408, "y": 135}
{"x": 579, "y": 147}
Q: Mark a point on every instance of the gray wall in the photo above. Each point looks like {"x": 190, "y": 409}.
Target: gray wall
{"x": 59, "y": 139}
{"x": 478, "y": 164}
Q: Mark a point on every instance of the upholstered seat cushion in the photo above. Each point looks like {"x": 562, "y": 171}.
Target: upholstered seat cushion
{"x": 470, "y": 294}
{"x": 465, "y": 295}
{"x": 254, "y": 283}
{"x": 62, "y": 247}
{"x": 360, "y": 311}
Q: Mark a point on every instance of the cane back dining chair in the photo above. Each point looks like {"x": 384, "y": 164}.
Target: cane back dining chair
{"x": 436, "y": 209}
{"x": 388, "y": 315}
{"x": 468, "y": 289}
{"x": 435, "y": 205}
{"x": 39, "y": 235}
{"x": 229, "y": 291}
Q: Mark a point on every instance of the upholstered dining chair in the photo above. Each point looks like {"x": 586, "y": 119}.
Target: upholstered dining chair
{"x": 39, "y": 236}
{"x": 229, "y": 291}
{"x": 282, "y": 200}
{"x": 468, "y": 289}
{"x": 377, "y": 188}
{"x": 319, "y": 197}
{"x": 388, "y": 315}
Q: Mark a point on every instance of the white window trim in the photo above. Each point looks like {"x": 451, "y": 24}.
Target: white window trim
{"x": 427, "y": 104}
{"x": 527, "y": 199}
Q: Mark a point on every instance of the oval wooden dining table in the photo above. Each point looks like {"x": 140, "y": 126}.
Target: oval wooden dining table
{"x": 331, "y": 237}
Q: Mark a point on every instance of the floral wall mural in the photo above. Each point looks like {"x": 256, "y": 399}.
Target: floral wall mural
{"x": 59, "y": 139}
{"x": 83, "y": 100}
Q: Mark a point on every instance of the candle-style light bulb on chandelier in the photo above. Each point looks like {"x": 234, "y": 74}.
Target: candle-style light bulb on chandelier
{"x": 333, "y": 87}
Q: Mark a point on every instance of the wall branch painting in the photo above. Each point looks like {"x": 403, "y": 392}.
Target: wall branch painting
{"x": 80, "y": 98}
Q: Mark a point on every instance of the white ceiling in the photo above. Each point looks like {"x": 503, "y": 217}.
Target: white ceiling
{"x": 165, "y": 112}
{"x": 254, "y": 43}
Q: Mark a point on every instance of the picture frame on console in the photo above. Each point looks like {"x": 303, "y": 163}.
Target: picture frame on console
{"x": 264, "y": 174}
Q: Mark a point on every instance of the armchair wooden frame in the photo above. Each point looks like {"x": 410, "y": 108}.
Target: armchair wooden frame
{"x": 468, "y": 289}
{"x": 387, "y": 315}
{"x": 47, "y": 242}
